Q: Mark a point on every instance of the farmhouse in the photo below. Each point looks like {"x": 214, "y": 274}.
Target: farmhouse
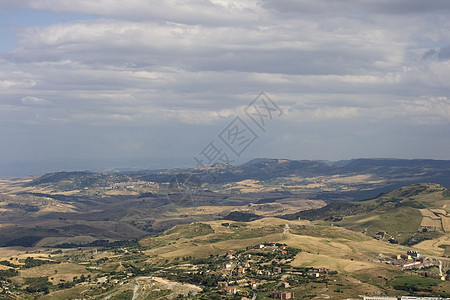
{"x": 231, "y": 290}
{"x": 276, "y": 270}
{"x": 413, "y": 253}
{"x": 283, "y": 295}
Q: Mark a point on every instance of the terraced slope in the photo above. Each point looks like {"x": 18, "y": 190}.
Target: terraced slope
{"x": 407, "y": 215}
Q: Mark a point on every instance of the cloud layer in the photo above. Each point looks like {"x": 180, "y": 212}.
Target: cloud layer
{"x": 368, "y": 78}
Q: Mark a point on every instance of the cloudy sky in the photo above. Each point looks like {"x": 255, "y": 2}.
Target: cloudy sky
{"x": 147, "y": 84}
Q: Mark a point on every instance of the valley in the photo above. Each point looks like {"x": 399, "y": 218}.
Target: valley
{"x": 263, "y": 230}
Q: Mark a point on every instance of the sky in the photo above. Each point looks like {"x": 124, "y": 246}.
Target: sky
{"x": 98, "y": 85}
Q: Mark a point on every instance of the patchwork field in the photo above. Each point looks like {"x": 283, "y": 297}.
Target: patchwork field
{"x": 142, "y": 235}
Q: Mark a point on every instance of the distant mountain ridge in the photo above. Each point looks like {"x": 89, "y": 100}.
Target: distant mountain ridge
{"x": 59, "y": 207}
{"x": 417, "y": 170}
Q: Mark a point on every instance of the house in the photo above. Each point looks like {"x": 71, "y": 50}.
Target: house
{"x": 323, "y": 270}
{"x": 239, "y": 272}
{"x": 230, "y": 254}
{"x": 283, "y": 295}
{"x": 315, "y": 272}
{"x": 222, "y": 284}
{"x": 276, "y": 270}
{"x": 411, "y": 265}
{"x": 102, "y": 280}
{"x": 231, "y": 290}
{"x": 406, "y": 256}
{"x": 285, "y": 284}
{"x": 252, "y": 284}
{"x": 413, "y": 253}
{"x": 318, "y": 270}
{"x": 228, "y": 266}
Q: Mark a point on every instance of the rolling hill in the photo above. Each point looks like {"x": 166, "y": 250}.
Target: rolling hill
{"x": 196, "y": 261}
{"x": 60, "y": 207}
{"x": 407, "y": 215}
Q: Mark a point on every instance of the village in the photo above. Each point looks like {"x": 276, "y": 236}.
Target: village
{"x": 263, "y": 268}
{"x": 236, "y": 274}
{"x": 412, "y": 260}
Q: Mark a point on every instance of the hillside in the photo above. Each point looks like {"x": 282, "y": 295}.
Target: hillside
{"x": 199, "y": 260}
{"x": 364, "y": 178}
{"x": 263, "y": 169}
{"x": 59, "y": 208}
{"x": 407, "y": 215}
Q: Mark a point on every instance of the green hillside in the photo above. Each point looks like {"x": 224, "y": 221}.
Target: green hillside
{"x": 188, "y": 231}
{"x": 407, "y": 215}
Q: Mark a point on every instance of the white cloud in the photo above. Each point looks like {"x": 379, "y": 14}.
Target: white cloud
{"x": 180, "y": 11}
{"x": 429, "y": 110}
{"x": 139, "y": 65}
{"x": 25, "y": 83}
{"x": 34, "y": 100}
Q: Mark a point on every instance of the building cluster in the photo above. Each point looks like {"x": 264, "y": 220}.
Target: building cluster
{"x": 131, "y": 185}
{"x": 283, "y": 295}
{"x": 409, "y": 260}
{"x": 273, "y": 246}
{"x": 259, "y": 265}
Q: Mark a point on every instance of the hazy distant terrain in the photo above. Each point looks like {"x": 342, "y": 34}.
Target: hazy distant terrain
{"x": 333, "y": 230}
{"x": 350, "y": 255}
{"x": 81, "y": 207}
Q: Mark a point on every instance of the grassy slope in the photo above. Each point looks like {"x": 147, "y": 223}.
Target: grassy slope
{"x": 351, "y": 253}
{"x": 335, "y": 242}
{"x": 400, "y": 223}
{"x": 397, "y": 213}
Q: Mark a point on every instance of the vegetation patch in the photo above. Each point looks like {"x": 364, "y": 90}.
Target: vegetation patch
{"x": 241, "y": 216}
{"x": 125, "y": 295}
{"x": 8, "y": 273}
{"x": 414, "y": 283}
{"x": 446, "y": 193}
{"x": 188, "y": 231}
{"x": 326, "y": 232}
{"x": 100, "y": 243}
{"x": 31, "y": 262}
{"x": 422, "y": 236}
{"x": 446, "y": 250}
{"x": 37, "y": 285}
